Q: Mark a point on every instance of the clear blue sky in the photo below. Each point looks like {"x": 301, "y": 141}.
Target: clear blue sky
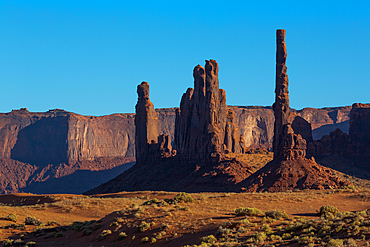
{"x": 89, "y": 56}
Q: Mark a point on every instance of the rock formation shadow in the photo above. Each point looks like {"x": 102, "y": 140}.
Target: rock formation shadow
{"x": 43, "y": 142}
{"x": 325, "y": 129}
{"x": 77, "y": 182}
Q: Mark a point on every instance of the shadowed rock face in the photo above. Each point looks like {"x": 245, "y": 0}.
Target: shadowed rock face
{"x": 354, "y": 144}
{"x": 359, "y": 130}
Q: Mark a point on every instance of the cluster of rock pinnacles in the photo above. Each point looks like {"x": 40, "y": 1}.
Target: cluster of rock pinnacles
{"x": 206, "y": 128}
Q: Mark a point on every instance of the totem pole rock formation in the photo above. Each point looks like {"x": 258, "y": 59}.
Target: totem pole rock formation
{"x": 286, "y": 144}
{"x": 205, "y": 127}
{"x": 289, "y": 168}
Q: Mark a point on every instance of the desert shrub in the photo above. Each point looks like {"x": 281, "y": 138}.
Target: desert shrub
{"x": 153, "y": 240}
{"x": 348, "y": 187}
{"x": 306, "y": 240}
{"x": 122, "y": 235}
{"x": 183, "y": 197}
{"x": 324, "y": 229}
{"x": 39, "y": 228}
{"x": 59, "y": 234}
{"x": 96, "y": 227}
{"x": 30, "y": 244}
{"x": 260, "y": 237}
{"x": 245, "y": 221}
{"x": 145, "y": 239}
{"x": 52, "y": 223}
{"x": 32, "y": 221}
{"x": 325, "y": 210}
{"x": 150, "y": 202}
{"x": 208, "y": 239}
{"x": 338, "y": 228}
{"x": 351, "y": 242}
{"x": 265, "y": 227}
{"x": 182, "y": 208}
{"x": 8, "y": 242}
{"x": 335, "y": 243}
{"x": 12, "y": 217}
{"x": 248, "y": 211}
{"x": 275, "y": 237}
{"x": 286, "y": 236}
{"x": 276, "y": 214}
{"x": 87, "y": 232}
{"x": 144, "y": 226}
{"x": 293, "y": 227}
{"x": 119, "y": 220}
{"x": 104, "y": 234}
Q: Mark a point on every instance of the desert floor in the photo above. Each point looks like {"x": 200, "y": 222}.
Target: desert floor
{"x": 161, "y": 218}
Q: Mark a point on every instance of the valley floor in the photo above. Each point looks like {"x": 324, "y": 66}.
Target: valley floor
{"x": 145, "y": 218}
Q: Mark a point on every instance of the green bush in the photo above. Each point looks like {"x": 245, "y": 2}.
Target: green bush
{"x": 260, "y": 237}
{"x": 145, "y": 239}
{"x": 122, "y": 235}
{"x": 325, "y": 210}
{"x": 183, "y": 197}
{"x": 248, "y": 211}
{"x": 144, "y": 226}
{"x": 335, "y": 243}
{"x": 12, "y": 217}
{"x": 276, "y": 214}
{"x": 208, "y": 239}
{"x": 150, "y": 202}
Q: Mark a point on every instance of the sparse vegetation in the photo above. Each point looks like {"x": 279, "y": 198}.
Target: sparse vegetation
{"x": 258, "y": 224}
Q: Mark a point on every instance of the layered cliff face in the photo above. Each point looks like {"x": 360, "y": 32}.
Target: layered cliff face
{"x": 56, "y": 144}
{"x": 354, "y": 144}
{"x": 256, "y": 123}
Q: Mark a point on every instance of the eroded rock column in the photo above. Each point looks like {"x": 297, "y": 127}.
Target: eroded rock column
{"x": 146, "y": 123}
{"x": 286, "y": 145}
